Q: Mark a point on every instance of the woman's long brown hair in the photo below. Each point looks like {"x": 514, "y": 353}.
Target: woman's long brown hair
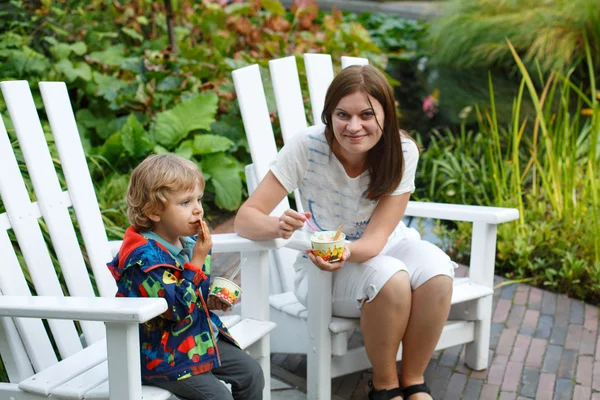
{"x": 385, "y": 161}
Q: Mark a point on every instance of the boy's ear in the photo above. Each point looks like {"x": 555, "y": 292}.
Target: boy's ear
{"x": 154, "y": 217}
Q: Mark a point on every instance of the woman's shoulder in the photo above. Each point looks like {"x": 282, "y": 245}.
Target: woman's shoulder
{"x": 311, "y": 137}
{"x": 409, "y": 145}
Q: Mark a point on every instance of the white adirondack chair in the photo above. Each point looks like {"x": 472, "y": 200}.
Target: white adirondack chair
{"x": 314, "y": 331}
{"x": 109, "y": 367}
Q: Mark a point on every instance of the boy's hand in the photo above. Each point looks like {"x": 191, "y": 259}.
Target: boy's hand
{"x": 290, "y": 221}
{"x": 202, "y": 246}
{"x": 214, "y": 303}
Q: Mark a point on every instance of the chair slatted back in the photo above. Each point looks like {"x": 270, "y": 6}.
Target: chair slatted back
{"x": 81, "y": 190}
{"x": 52, "y": 206}
{"x": 292, "y": 119}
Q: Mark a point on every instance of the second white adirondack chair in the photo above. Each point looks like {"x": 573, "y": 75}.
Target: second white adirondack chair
{"x": 109, "y": 367}
{"x": 314, "y": 331}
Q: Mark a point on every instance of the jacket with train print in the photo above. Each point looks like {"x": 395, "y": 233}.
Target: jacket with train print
{"x": 180, "y": 342}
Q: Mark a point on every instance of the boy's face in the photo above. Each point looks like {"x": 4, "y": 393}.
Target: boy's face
{"x": 181, "y": 216}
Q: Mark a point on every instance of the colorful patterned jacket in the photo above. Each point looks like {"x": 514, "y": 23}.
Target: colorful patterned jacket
{"x": 179, "y": 343}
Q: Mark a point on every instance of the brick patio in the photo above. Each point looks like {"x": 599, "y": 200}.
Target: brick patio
{"x": 543, "y": 346}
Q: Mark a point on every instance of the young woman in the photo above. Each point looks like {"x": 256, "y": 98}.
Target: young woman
{"x": 358, "y": 170}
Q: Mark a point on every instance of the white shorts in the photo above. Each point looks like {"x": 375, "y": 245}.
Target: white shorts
{"x": 356, "y": 283}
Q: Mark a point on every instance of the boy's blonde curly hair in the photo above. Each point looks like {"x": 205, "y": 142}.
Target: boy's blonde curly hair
{"x": 153, "y": 181}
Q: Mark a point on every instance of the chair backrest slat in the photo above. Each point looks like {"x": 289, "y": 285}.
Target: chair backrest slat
{"x": 319, "y": 73}
{"x": 348, "y": 61}
{"x": 18, "y": 205}
{"x": 257, "y": 123}
{"x": 81, "y": 190}
{"x": 288, "y": 96}
{"x": 31, "y": 332}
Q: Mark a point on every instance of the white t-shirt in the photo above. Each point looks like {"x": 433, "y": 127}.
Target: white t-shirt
{"x": 307, "y": 163}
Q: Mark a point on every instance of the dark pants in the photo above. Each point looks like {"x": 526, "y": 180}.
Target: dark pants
{"x": 237, "y": 368}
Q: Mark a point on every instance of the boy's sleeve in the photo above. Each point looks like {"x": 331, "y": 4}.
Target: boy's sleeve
{"x": 180, "y": 294}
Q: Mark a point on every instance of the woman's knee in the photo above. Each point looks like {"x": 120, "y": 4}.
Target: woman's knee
{"x": 397, "y": 291}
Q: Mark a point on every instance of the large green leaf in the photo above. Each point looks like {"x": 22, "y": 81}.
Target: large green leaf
{"x": 108, "y": 87}
{"x": 206, "y": 144}
{"x": 134, "y": 137}
{"x": 225, "y": 177}
{"x": 273, "y": 6}
{"x": 73, "y": 71}
{"x": 113, "y": 55}
{"x": 174, "y": 125}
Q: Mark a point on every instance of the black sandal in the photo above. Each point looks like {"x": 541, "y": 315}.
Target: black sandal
{"x": 383, "y": 394}
{"x": 414, "y": 389}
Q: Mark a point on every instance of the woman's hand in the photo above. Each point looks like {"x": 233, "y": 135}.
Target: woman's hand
{"x": 213, "y": 303}
{"x": 327, "y": 266}
{"x": 202, "y": 246}
{"x": 290, "y": 221}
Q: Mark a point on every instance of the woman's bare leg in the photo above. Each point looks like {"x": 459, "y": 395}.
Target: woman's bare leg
{"x": 383, "y": 323}
{"x": 429, "y": 312}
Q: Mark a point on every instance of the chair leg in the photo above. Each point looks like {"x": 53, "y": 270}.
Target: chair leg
{"x": 477, "y": 352}
{"x": 319, "y": 353}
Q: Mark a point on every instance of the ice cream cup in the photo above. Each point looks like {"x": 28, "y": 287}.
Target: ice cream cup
{"x": 325, "y": 247}
{"x": 226, "y": 290}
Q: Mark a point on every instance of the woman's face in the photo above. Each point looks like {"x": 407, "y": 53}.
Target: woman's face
{"x": 355, "y": 123}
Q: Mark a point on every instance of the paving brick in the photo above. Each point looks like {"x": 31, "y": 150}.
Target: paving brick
{"x": 548, "y": 303}
{"x": 545, "y": 388}
{"x": 598, "y": 348}
{"x": 496, "y": 331}
{"x": 535, "y": 299}
{"x": 582, "y": 393}
{"x": 559, "y": 333}
{"x": 440, "y": 382}
{"x": 508, "y": 292}
{"x": 430, "y": 370}
{"x": 497, "y": 369}
{"x": 591, "y": 318}
{"x": 563, "y": 304}
{"x": 568, "y": 363}
{"x": 507, "y": 396}
{"x": 507, "y": 339}
{"x": 520, "y": 348}
{"x": 521, "y": 295}
{"x": 552, "y": 359}
{"x": 489, "y": 392}
{"x": 596, "y": 376}
{"x": 573, "y": 337}
{"x": 472, "y": 389}
{"x": 535, "y": 356}
{"x": 588, "y": 341}
{"x": 577, "y": 312}
{"x": 501, "y": 311}
{"x": 585, "y": 369}
{"x": 515, "y": 317}
{"x": 483, "y": 373}
{"x": 595, "y": 396}
{"x": 530, "y": 322}
{"x": 544, "y": 327}
{"x": 450, "y": 356}
{"x": 455, "y": 387}
{"x": 461, "y": 367}
{"x": 512, "y": 376}
{"x": 563, "y": 389}
{"x": 529, "y": 382}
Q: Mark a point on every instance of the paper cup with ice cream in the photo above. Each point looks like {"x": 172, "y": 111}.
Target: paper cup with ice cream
{"x": 325, "y": 247}
{"x": 226, "y": 290}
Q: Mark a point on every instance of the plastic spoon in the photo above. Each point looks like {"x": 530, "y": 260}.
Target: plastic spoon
{"x": 338, "y": 232}
{"x": 237, "y": 270}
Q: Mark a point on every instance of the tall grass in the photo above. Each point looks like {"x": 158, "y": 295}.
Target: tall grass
{"x": 472, "y": 33}
{"x": 545, "y": 163}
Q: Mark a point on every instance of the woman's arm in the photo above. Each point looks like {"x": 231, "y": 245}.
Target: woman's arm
{"x": 385, "y": 219}
{"x": 253, "y": 221}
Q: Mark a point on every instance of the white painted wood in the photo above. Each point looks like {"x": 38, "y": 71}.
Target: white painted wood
{"x": 33, "y": 333}
{"x": 319, "y": 352}
{"x": 461, "y": 212}
{"x": 49, "y": 193}
{"x": 319, "y": 73}
{"x": 81, "y": 189}
{"x": 249, "y": 331}
{"x": 47, "y": 380}
{"x": 255, "y": 305}
{"x": 77, "y": 387}
{"x": 148, "y": 393}
{"x": 288, "y": 96}
{"x": 124, "y": 375}
{"x": 17, "y": 203}
{"x": 108, "y": 309}
{"x": 348, "y": 61}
